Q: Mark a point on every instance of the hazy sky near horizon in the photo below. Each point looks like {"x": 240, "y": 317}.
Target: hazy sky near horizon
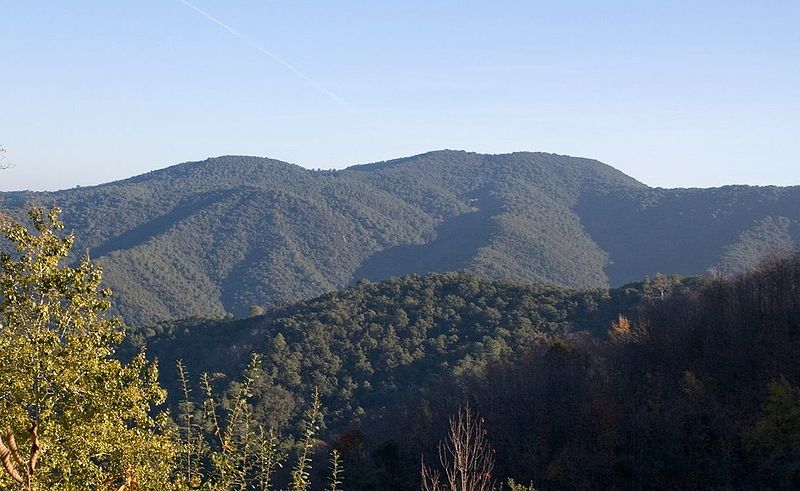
{"x": 675, "y": 93}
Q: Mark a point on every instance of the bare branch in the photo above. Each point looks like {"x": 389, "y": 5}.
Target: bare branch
{"x": 36, "y": 449}
{"x": 11, "y": 441}
{"x": 3, "y": 163}
{"x": 6, "y": 457}
{"x": 430, "y": 478}
{"x": 466, "y": 457}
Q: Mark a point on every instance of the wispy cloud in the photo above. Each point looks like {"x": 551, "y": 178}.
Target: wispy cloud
{"x": 270, "y": 54}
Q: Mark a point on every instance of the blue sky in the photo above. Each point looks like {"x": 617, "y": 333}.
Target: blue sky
{"x": 695, "y": 93}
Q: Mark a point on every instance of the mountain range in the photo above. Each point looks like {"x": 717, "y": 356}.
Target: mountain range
{"x": 228, "y": 233}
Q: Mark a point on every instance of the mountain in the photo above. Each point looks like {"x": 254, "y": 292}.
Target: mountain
{"x": 206, "y": 238}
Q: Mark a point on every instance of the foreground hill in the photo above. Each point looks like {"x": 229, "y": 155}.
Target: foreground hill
{"x": 372, "y": 345}
{"x": 666, "y": 384}
{"x": 217, "y": 236}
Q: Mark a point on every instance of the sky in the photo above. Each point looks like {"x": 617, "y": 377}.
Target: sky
{"x": 674, "y": 93}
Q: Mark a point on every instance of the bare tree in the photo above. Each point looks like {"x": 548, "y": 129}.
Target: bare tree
{"x": 466, "y": 457}
{"x": 4, "y": 218}
{"x": 3, "y": 163}
{"x": 431, "y": 478}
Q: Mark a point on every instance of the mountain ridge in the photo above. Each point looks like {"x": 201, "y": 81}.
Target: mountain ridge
{"x": 219, "y": 235}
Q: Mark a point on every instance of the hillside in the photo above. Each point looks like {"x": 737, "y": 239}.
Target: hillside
{"x": 361, "y": 345}
{"x": 206, "y": 238}
{"x": 674, "y": 383}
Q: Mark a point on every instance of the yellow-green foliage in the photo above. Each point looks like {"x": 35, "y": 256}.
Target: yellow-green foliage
{"x": 514, "y": 486}
{"x": 223, "y": 447}
{"x": 336, "y": 471}
{"x": 301, "y": 477}
{"x": 775, "y": 436}
{"x": 60, "y": 388}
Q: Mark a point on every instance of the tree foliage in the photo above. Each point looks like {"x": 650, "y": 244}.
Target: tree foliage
{"x": 74, "y": 417}
{"x": 85, "y": 416}
{"x": 776, "y": 434}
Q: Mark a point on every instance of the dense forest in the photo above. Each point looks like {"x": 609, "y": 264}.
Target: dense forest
{"x": 372, "y": 345}
{"x": 219, "y": 236}
{"x": 670, "y": 383}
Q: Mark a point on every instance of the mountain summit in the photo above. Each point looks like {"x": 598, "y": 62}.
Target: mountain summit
{"x": 205, "y": 238}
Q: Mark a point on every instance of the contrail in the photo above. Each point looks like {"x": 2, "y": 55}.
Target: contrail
{"x": 269, "y": 53}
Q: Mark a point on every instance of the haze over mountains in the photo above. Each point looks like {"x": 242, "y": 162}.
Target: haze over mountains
{"x": 205, "y": 238}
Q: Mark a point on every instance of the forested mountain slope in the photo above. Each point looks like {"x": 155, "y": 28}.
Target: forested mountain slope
{"x": 205, "y": 238}
{"x": 671, "y": 383}
{"x": 374, "y": 343}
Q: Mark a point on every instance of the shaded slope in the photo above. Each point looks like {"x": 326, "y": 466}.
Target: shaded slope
{"x": 689, "y": 230}
{"x": 457, "y": 241}
{"x": 524, "y": 228}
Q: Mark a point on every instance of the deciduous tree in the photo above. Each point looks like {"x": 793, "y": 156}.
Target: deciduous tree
{"x": 72, "y": 416}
